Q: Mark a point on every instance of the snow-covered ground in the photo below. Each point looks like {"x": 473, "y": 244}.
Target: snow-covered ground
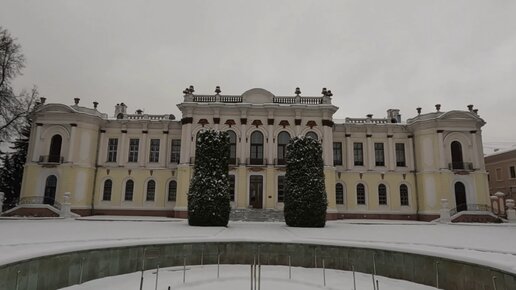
{"x": 237, "y": 277}
{"x": 487, "y": 244}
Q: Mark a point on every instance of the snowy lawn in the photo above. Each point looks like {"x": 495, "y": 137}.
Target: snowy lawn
{"x": 237, "y": 277}
{"x": 491, "y": 245}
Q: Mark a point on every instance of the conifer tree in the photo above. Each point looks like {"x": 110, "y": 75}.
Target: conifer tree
{"x": 11, "y": 171}
{"x": 305, "y": 193}
{"x": 208, "y": 196}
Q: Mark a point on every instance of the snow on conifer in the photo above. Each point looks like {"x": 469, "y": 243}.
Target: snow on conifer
{"x": 208, "y": 196}
{"x": 305, "y": 193}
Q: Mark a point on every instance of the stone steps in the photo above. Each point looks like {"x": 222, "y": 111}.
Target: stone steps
{"x": 256, "y": 215}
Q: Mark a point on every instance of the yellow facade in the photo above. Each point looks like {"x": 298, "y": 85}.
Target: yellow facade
{"x": 419, "y": 155}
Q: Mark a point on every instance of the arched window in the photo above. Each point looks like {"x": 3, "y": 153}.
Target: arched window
{"x": 129, "y": 189}
{"x": 50, "y": 190}
{"x": 312, "y": 135}
{"x": 151, "y": 190}
{"x": 382, "y": 194}
{"x": 361, "y": 199}
{"x": 460, "y": 197}
{"x": 456, "y": 154}
{"x": 339, "y": 193}
{"x": 108, "y": 186}
{"x": 404, "y": 200}
{"x": 257, "y": 148}
{"x": 172, "y": 190}
{"x": 232, "y": 147}
{"x": 54, "y": 155}
{"x": 283, "y": 139}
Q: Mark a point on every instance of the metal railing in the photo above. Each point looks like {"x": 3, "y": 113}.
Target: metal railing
{"x": 470, "y": 207}
{"x": 51, "y": 159}
{"x": 367, "y": 120}
{"x": 36, "y": 200}
{"x": 461, "y": 166}
{"x": 277, "y": 100}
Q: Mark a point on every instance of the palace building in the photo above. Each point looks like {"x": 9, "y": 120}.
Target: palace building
{"x": 141, "y": 164}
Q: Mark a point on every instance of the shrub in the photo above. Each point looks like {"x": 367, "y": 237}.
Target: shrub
{"x": 305, "y": 194}
{"x": 208, "y": 196}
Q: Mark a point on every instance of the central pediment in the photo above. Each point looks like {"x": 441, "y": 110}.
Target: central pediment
{"x": 257, "y": 96}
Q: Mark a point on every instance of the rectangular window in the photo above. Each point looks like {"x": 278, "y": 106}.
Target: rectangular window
{"x": 154, "y": 150}
{"x": 112, "y": 149}
{"x": 400, "y": 155}
{"x": 337, "y": 153}
{"x": 281, "y": 188}
{"x": 379, "y": 154}
{"x": 231, "y": 187}
{"x": 176, "y": 151}
{"x": 512, "y": 172}
{"x": 133, "y": 150}
{"x": 358, "y": 152}
{"x": 498, "y": 174}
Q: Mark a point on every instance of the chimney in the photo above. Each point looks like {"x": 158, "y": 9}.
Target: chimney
{"x": 438, "y": 107}
{"x": 418, "y": 110}
{"x": 95, "y": 104}
{"x": 42, "y": 100}
{"x": 76, "y": 101}
{"x": 470, "y": 108}
{"x": 394, "y": 115}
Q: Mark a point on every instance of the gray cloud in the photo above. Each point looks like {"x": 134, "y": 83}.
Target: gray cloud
{"x": 374, "y": 55}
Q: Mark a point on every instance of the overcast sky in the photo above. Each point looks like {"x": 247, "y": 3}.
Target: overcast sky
{"x": 373, "y": 55}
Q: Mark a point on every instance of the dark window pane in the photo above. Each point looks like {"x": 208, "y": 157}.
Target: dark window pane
{"x": 337, "y": 153}
{"x": 154, "y": 150}
{"x": 151, "y": 190}
{"x": 129, "y": 188}
{"x": 382, "y": 194}
{"x": 379, "y": 154}
{"x": 400, "y": 155}
{"x": 172, "y": 190}
{"x": 108, "y": 186}
{"x": 112, "y": 149}
{"x": 358, "y": 153}
{"x": 361, "y": 199}
{"x": 404, "y": 198}
{"x": 339, "y": 193}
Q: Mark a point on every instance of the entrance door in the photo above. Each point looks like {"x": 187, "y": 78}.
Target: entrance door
{"x": 256, "y": 191}
{"x": 50, "y": 190}
{"x": 460, "y": 197}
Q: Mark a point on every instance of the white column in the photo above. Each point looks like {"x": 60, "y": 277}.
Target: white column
{"x": 165, "y": 149}
{"x": 410, "y": 154}
{"x": 349, "y": 152}
{"x": 327, "y": 145}
{"x": 186, "y": 143}
{"x": 391, "y": 162}
{"x": 369, "y": 153}
{"x": 71, "y": 146}
{"x": 476, "y": 163}
{"x": 440, "y": 144}
{"x": 102, "y": 155}
{"x": 298, "y": 127}
{"x": 270, "y": 144}
{"x": 122, "y": 150}
{"x": 36, "y": 144}
{"x": 143, "y": 154}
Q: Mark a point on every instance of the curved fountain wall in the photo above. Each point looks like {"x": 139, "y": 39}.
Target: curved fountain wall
{"x": 66, "y": 269}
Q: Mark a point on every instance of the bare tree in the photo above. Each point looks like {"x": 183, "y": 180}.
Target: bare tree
{"x": 14, "y": 108}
